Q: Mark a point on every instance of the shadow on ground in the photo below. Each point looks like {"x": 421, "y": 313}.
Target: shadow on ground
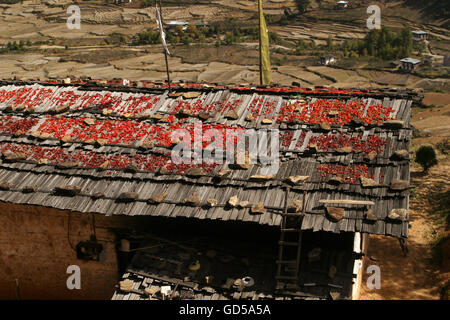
{"x": 410, "y": 277}
{"x": 419, "y": 275}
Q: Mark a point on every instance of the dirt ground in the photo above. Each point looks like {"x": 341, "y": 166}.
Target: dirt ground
{"x": 437, "y": 99}
{"x": 418, "y": 276}
{"x": 415, "y": 276}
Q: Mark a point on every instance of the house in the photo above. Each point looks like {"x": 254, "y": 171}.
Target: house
{"x": 327, "y": 59}
{"x": 174, "y": 24}
{"x": 409, "y": 64}
{"x": 342, "y": 4}
{"x": 419, "y": 35}
{"x": 88, "y": 178}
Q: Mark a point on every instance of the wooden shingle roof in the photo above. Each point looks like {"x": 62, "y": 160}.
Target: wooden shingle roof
{"x": 109, "y": 140}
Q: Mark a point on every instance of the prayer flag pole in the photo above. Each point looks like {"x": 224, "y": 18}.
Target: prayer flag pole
{"x": 159, "y": 21}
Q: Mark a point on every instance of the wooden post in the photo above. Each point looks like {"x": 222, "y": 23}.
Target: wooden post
{"x": 283, "y": 226}
{"x": 304, "y": 203}
{"x": 167, "y": 69}
{"x": 17, "y": 289}
{"x": 300, "y": 235}
{"x": 165, "y": 53}
{"x": 259, "y": 35}
{"x": 286, "y": 199}
{"x": 404, "y": 246}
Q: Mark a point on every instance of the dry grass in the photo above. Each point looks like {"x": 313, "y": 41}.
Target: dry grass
{"x": 101, "y": 56}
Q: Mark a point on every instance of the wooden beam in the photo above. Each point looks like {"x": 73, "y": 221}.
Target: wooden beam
{"x": 163, "y": 279}
{"x": 286, "y": 199}
{"x": 300, "y": 235}
{"x": 283, "y": 226}
{"x": 140, "y": 292}
{"x": 356, "y": 202}
{"x": 304, "y": 203}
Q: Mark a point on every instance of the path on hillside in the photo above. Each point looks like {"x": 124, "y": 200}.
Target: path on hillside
{"x": 413, "y": 276}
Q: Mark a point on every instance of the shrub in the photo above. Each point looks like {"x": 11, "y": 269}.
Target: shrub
{"x": 444, "y": 146}
{"x": 426, "y": 157}
{"x": 147, "y": 3}
{"x": 302, "y": 5}
{"x": 437, "y": 249}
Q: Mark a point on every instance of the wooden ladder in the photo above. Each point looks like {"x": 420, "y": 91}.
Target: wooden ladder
{"x": 291, "y": 275}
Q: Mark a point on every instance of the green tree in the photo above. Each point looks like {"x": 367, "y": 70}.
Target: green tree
{"x": 179, "y": 30}
{"x": 426, "y": 157}
{"x": 386, "y": 44}
{"x": 147, "y": 37}
{"x": 302, "y": 5}
{"x": 147, "y": 3}
{"x": 191, "y": 29}
{"x": 406, "y": 42}
{"x": 186, "y": 39}
{"x": 229, "y": 38}
{"x": 330, "y": 42}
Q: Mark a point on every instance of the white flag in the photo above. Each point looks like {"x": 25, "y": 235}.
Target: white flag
{"x": 161, "y": 30}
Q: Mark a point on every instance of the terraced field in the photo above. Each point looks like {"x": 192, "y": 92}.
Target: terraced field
{"x": 60, "y": 52}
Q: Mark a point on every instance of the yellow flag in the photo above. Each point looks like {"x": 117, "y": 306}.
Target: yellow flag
{"x": 264, "y": 56}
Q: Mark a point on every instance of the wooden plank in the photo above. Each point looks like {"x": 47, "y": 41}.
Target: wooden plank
{"x": 286, "y": 243}
{"x": 345, "y": 201}
{"x": 163, "y": 279}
